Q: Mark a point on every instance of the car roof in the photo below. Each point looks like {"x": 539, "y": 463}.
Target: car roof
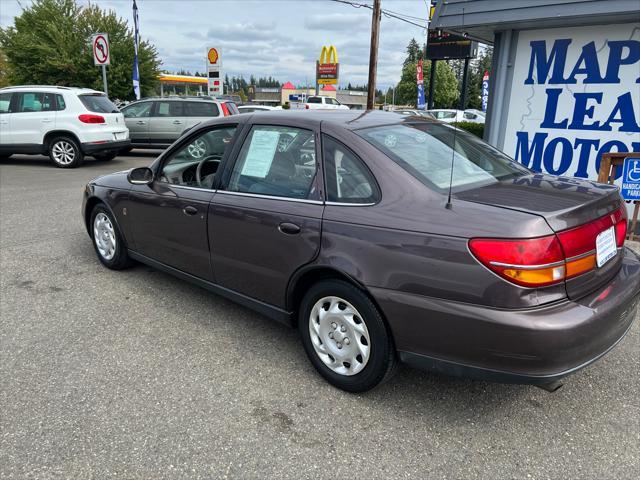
{"x": 348, "y": 119}
{"x": 51, "y": 87}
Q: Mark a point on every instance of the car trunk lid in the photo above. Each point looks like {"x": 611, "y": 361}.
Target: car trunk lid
{"x": 566, "y": 204}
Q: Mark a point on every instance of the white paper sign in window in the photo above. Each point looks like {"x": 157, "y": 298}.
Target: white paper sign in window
{"x": 261, "y": 152}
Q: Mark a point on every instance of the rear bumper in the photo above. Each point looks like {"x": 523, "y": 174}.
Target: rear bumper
{"x": 90, "y": 148}
{"x": 533, "y": 346}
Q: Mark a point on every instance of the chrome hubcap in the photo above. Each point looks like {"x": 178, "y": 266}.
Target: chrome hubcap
{"x": 197, "y": 149}
{"x": 63, "y": 152}
{"x": 104, "y": 236}
{"x": 339, "y": 335}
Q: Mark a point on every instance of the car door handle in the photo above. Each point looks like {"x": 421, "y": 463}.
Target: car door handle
{"x": 189, "y": 210}
{"x": 141, "y": 122}
{"x": 46, "y": 120}
{"x": 177, "y": 122}
{"x": 289, "y": 228}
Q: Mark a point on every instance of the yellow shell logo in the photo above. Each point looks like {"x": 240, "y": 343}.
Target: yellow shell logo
{"x": 212, "y": 55}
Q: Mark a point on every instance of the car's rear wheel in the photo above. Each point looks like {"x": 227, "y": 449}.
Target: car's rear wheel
{"x": 105, "y": 157}
{"x": 107, "y": 239}
{"x": 198, "y": 149}
{"x": 345, "y": 336}
{"x": 65, "y": 152}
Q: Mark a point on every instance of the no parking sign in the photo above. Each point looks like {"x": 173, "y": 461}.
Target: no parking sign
{"x": 631, "y": 179}
{"x": 100, "y": 45}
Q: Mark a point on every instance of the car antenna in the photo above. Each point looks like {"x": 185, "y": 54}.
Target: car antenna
{"x": 449, "y": 205}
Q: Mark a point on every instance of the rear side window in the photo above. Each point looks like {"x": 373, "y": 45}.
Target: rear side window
{"x": 169, "y": 109}
{"x": 348, "y": 178}
{"x": 5, "y": 102}
{"x": 35, "y": 102}
{"x": 98, "y": 102}
{"x": 201, "y": 109}
{"x": 60, "y": 104}
{"x": 314, "y": 100}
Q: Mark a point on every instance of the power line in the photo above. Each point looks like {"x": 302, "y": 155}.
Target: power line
{"x": 387, "y": 13}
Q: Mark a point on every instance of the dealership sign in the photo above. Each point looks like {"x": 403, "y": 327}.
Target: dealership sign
{"x": 421, "y": 103}
{"x": 327, "y": 68}
{"x": 485, "y": 90}
{"x": 575, "y": 95}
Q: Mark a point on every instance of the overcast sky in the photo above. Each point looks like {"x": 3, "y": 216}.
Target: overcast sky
{"x": 282, "y": 38}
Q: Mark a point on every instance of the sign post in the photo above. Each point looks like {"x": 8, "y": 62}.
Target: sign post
{"x": 101, "y": 55}
{"x": 214, "y": 73}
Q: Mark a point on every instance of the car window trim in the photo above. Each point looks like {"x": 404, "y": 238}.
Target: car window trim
{"x": 271, "y": 197}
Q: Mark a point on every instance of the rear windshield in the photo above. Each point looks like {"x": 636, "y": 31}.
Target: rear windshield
{"x": 424, "y": 150}
{"x": 98, "y": 102}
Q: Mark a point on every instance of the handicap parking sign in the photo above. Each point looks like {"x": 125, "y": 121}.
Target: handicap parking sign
{"x": 631, "y": 179}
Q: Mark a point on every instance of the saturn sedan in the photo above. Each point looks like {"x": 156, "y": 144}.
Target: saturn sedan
{"x": 381, "y": 243}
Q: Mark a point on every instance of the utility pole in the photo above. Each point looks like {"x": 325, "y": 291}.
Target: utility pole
{"x": 373, "y": 55}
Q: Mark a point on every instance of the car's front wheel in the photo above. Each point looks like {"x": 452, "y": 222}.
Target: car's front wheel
{"x": 345, "y": 336}
{"x": 107, "y": 239}
{"x": 65, "y": 152}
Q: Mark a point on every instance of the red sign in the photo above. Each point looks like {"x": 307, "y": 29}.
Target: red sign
{"x": 100, "y": 44}
{"x": 419, "y": 73}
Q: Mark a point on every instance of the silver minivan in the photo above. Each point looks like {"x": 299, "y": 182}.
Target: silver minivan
{"x": 158, "y": 122}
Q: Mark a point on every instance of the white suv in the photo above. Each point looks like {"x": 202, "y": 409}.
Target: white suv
{"x": 318, "y": 102}
{"x": 63, "y": 122}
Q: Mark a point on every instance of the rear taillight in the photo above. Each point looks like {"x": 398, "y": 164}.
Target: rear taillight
{"x": 91, "y": 118}
{"x": 225, "y": 109}
{"x": 544, "y": 261}
{"x": 306, "y": 107}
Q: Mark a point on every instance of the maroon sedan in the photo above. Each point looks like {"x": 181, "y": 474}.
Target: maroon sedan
{"x": 380, "y": 242}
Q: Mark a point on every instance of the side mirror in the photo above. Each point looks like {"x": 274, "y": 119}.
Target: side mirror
{"x": 140, "y": 176}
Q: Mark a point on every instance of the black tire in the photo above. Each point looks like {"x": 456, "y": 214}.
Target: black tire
{"x": 105, "y": 157}
{"x": 57, "y": 148}
{"x": 382, "y": 359}
{"x": 5, "y": 156}
{"x": 120, "y": 258}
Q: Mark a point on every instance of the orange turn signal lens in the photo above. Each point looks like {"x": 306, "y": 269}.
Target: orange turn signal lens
{"x": 536, "y": 277}
{"x": 580, "y": 266}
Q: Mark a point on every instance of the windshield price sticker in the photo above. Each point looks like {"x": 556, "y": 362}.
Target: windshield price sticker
{"x": 606, "y": 247}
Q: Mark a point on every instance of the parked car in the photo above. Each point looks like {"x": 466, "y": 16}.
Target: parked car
{"x": 158, "y": 122}
{"x": 232, "y": 98}
{"x": 408, "y": 111}
{"x": 448, "y": 115}
{"x": 379, "y": 244}
{"x": 474, "y": 116}
{"x": 248, "y": 108}
{"x": 62, "y": 122}
{"x": 318, "y": 102}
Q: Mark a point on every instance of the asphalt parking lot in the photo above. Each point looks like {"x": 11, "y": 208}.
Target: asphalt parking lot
{"x": 136, "y": 374}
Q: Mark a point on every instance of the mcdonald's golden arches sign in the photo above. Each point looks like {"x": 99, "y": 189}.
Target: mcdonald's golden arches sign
{"x": 327, "y": 67}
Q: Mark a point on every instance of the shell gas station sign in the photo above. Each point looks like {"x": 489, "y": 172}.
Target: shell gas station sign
{"x": 327, "y": 67}
{"x": 214, "y": 72}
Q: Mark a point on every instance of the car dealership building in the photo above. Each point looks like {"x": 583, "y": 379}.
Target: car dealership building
{"x": 565, "y": 80}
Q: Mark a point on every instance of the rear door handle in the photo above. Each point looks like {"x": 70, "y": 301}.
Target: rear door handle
{"x": 46, "y": 120}
{"x": 177, "y": 122}
{"x": 289, "y": 228}
{"x": 141, "y": 122}
{"x": 189, "y": 210}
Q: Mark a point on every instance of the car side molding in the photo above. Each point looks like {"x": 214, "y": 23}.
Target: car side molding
{"x": 263, "y": 308}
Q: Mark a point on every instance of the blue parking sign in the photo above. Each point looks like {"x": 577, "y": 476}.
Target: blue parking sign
{"x": 631, "y": 179}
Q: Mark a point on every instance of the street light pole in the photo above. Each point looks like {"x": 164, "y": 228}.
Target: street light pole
{"x": 373, "y": 54}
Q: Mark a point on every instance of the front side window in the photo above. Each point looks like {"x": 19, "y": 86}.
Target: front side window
{"x": 332, "y": 101}
{"x": 5, "y": 102}
{"x": 348, "y": 179}
{"x": 276, "y": 161}
{"x": 169, "y": 109}
{"x": 196, "y": 164}
{"x": 424, "y": 149}
{"x": 98, "y": 103}
{"x": 35, "y": 102}
{"x": 201, "y": 109}
{"x": 137, "y": 110}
